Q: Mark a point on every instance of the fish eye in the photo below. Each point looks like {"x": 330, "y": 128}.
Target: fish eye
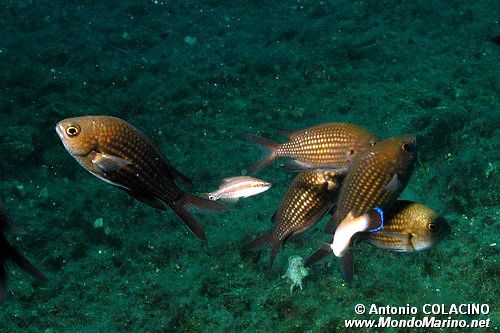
{"x": 433, "y": 227}
{"x": 373, "y": 143}
{"x": 72, "y": 131}
{"x": 406, "y": 147}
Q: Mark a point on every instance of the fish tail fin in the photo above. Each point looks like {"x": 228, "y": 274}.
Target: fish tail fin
{"x": 261, "y": 240}
{"x": 331, "y": 224}
{"x": 270, "y": 156}
{"x": 347, "y": 266}
{"x": 318, "y": 255}
{"x": 10, "y": 254}
{"x": 185, "y": 206}
{"x": 272, "y": 257}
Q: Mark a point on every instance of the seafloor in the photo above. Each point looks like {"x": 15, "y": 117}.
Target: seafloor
{"x": 193, "y": 76}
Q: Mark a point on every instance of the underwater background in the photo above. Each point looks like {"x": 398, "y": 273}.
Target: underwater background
{"x": 193, "y": 76}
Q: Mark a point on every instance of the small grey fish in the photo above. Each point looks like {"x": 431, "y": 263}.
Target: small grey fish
{"x": 233, "y": 188}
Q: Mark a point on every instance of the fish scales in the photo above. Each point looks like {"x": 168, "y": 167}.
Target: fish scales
{"x": 375, "y": 179}
{"x": 118, "y": 153}
{"x": 330, "y": 146}
{"x": 366, "y": 185}
{"x": 307, "y": 200}
{"x": 410, "y": 226}
{"x": 147, "y": 170}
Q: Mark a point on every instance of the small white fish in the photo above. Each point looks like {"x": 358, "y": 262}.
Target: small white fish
{"x": 231, "y": 189}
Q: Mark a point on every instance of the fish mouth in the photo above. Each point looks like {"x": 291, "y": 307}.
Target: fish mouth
{"x": 60, "y": 130}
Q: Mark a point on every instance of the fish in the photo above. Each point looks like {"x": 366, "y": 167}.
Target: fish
{"x": 410, "y": 227}
{"x": 376, "y": 178}
{"x": 324, "y": 147}
{"x": 496, "y": 39}
{"x": 118, "y": 153}
{"x": 9, "y": 254}
{"x": 233, "y": 188}
{"x": 406, "y": 227}
{"x": 309, "y": 197}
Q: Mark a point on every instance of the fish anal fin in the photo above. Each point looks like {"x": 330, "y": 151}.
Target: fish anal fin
{"x": 331, "y": 224}
{"x": 145, "y": 198}
{"x": 318, "y": 255}
{"x": 260, "y": 240}
{"x": 394, "y": 184}
{"x": 296, "y": 166}
{"x": 109, "y": 163}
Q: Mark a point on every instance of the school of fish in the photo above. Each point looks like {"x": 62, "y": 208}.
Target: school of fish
{"x": 343, "y": 171}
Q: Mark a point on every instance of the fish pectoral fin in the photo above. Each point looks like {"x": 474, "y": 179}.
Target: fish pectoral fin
{"x": 394, "y": 184}
{"x": 109, "y": 163}
{"x": 146, "y": 198}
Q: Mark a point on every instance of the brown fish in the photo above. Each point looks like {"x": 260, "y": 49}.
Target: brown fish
{"x": 8, "y": 254}
{"x": 310, "y": 196}
{"x": 326, "y": 147}
{"x": 118, "y": 153}
{"x": 376, "y": 178}
{"x": 406, "y": 227}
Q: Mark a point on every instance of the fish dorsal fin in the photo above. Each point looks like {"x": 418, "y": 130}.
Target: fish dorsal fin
{"x": 286, "y": 132}
{"x": 228, "y": 180}
{"x": 109, "y": 163}
{"x": 394, "y": 184}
